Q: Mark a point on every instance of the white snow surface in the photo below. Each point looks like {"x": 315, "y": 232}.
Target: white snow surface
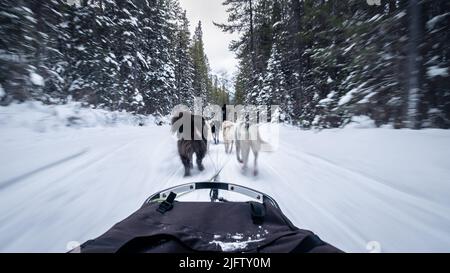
{"x": 234, "y": 246}
{"x": 355, "y": 188}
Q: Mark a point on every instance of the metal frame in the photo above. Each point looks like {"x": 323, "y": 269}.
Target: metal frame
{"x": 191, "y": 187}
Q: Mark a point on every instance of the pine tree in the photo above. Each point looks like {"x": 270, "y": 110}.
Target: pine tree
{"x": 337, "y": 60}
{"x": 201, "y": 81}
{"x": 18, "y": 47}
{"x": 184, "y": 71}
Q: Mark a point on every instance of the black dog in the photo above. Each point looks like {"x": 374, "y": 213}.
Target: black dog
{"x": 215, "y": 133}
{"x": 191, "y": 140}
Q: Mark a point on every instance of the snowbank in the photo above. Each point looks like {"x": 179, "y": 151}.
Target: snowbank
{"x": 41, "y": 118}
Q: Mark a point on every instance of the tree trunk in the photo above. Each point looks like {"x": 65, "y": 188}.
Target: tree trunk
{"x": 252, "y": 35}
{"x": 413, "y": 65}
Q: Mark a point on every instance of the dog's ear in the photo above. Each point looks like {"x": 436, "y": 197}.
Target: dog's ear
{"x": 174, "y": 119}
{"x": 177, "y": 117}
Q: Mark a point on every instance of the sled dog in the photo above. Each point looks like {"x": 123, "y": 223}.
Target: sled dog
{"x": 215, "y": 131}
{"x": 248, "y": 138}
{"x": 193, "y": 140}
{"x": 228, "y": 136}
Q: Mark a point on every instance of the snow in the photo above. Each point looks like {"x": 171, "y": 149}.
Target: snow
{"x": 37, "y": 79}
{"x": 234, "y": 246}
{"x": 142, "y": 59}
{"x": 435, "y": 71}
{"x": 31, "y": 19}
{"x": 81, "y": 48}
{"x": 10, "y": 15}
{"x": 328, "y": 99}
{"x": 367, "y": 98}
{"x": 41, "y": 118}
{"x": 2, "y": 92}
{"x": 349, "y": 48}
{"x": 138, "y": 98}
{"x": 361, "y": 122}
{"x": 347, "y": 97}
{"x": 375, "y": 18}
{"x": 109, "y": 60}
{"x": 277, "y": 24}
{"x": 236, "y": 242}
{"x": 134, "y": 21}
{"x": 377, "y": 190}
{"x": 350, "y": 95}
{"x": 433, "y": 21}
{"x": 400, "y": 15}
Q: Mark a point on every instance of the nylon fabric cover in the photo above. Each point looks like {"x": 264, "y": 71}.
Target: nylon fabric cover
{"x": 192, "y": 227}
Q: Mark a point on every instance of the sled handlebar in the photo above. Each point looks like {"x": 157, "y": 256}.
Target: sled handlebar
{"x": 191, "y": 187}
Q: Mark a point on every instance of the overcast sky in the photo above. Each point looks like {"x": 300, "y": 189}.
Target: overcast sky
{"x": 216, "y": 41}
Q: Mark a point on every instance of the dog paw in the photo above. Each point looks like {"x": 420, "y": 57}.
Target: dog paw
{"x": 201, "y": 168}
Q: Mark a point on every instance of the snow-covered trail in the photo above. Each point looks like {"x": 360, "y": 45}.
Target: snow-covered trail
{"x": 351, "y": 187}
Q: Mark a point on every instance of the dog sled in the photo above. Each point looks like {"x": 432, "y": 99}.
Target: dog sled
{"x": 168, "y": 224}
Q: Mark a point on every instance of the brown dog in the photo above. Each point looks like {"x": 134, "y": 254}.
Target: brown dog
{"x": 192, "y": 135}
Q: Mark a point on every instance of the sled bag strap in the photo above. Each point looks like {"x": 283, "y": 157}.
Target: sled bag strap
{"x": 258, "y": 212}
{"x": 167, "y": 204}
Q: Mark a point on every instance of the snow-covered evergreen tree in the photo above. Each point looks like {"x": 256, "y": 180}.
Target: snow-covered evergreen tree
{"x": 201, "y": 79}
{"x": 345, "y": 59}
{"x": 184, "y": 66}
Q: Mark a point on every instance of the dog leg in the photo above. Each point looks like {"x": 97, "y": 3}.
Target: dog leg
{"x": 255, "y": 171}
{"x": 200, "y": 164}
{"x": 187, "y": 165}
{"x": 238, "y": 151}
{"x": 200, "y": 153}
{"x": 245, "y": 154}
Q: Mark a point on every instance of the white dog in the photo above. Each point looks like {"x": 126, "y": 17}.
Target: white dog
{"x": 248, "y": 138}
{"x": 228, "y": 136}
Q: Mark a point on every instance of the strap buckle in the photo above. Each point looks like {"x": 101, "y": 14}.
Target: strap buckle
{"x": 167, "y": 204}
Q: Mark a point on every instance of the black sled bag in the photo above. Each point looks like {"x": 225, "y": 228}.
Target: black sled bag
{"x": 215, "y": 227}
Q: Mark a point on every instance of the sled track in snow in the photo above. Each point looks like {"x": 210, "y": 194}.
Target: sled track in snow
{"x": 18, "y": 179}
